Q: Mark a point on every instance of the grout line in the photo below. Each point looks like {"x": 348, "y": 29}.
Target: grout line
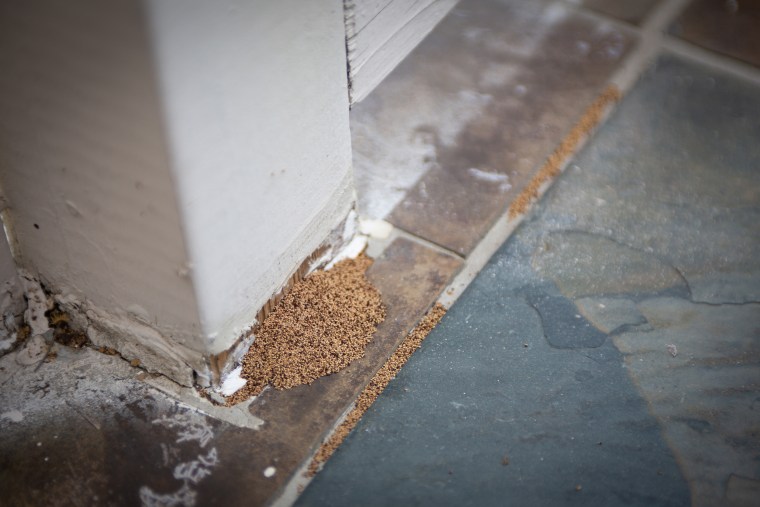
{"x": 662, "y": 15}
{"x": 708, "y": 58}
{"x": 651, "y": 35}
{"x": 426, "y": 242}
{"x": 481, "y": 254}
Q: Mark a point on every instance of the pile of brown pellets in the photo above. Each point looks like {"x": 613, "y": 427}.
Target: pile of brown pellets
{"x": 321, "y": 326}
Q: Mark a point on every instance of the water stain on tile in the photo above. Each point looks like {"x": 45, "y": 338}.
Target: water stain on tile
{"x": 564, "y": 327}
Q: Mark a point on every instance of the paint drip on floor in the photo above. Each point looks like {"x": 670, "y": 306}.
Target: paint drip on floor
{"x": 321, "y": 326}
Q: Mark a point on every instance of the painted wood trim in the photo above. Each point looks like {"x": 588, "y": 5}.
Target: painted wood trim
{"x": 381, "y": 33}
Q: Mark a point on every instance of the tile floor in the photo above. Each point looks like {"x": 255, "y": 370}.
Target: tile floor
{"x": 610, "y": 350}
{"x": 552, "y": 379}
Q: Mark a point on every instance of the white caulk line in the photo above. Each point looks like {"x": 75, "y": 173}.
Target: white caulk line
{"x": 722, "y": 63}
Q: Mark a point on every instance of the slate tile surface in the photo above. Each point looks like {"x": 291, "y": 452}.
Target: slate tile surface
{"x": 609, "y": 351}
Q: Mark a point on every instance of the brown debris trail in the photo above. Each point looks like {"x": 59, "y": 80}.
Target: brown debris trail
{"x": 553, "y": 165}
{"x": 376, "y": 386}
{"x": 323, "y": 324}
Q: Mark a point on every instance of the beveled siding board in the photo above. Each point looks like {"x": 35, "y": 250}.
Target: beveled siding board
{"x": 379, "y": 34}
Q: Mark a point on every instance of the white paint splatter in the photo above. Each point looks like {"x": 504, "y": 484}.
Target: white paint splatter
{"x": 553, "y": 14}
{"x": 38, "y": 304}
{"x": 12, "y": 415}
{"x": 198, "y": 469}
{"x": 233, "y": 382}
{"x": 349, "y": 228}
{"x": 501, "y": 179}
{"x": 191, "y": 429}
{"x": 497, "y": 75}
{"x": 7, "y": 343}
{"x": 183, "y": 497}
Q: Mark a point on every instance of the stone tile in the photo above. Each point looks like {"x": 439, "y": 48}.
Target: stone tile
{"x": 673, "y": 174}
{"x": 729, "y": 27}
{"x": 705, "y": 396}
{"x": 630, "y": 11}
{"x": 457, "y": 130}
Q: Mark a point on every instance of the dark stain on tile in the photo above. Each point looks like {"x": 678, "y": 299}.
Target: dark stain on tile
{"x": 731, "y": 27}
{"x": 630, "y": 11}
{"x": 564, "y": 327}
{"x": 410, "y": 277}
{"x": 533, "y": 71}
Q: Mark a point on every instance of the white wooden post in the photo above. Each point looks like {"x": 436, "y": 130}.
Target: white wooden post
{"x": 169, "y": 164}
